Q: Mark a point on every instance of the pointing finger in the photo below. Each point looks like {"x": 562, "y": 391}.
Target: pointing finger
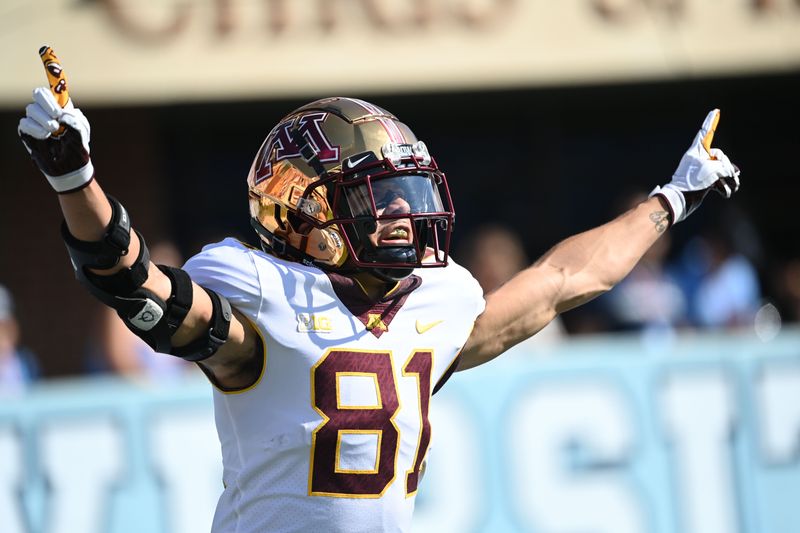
{"x": 708, "y": 129}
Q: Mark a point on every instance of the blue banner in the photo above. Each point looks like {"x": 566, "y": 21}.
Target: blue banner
{"x": 697, "y": 434}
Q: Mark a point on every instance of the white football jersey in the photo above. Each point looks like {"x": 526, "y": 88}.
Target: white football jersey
{"x": 333, "y": 435}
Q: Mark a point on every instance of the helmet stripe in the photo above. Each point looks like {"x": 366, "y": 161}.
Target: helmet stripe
{"x": 371, "y": 108}
{"x": 394, "y": 133}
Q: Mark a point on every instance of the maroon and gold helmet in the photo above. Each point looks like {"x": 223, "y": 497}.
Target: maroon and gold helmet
{"x": 342, "y": 184}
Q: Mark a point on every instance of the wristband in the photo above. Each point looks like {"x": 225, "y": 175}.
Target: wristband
{"x": 676, "y": 202}
{"x": 72, "y": 181}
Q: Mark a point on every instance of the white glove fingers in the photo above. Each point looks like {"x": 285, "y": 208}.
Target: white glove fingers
{"x": 730, "y": 168}
{"x": 77, "y": 116}
{"x": 45, "y": 98}
{"x": 35, "y": 112}
{"x": 76, "y": 120}
{"x": 34, "y": 129}
{"x": 730, "y": 185}
{"x": 724, "y": 169}
{"x": 715, "y": 170}
{"x": 720, "y": 188}
{"x": 718, "y": 154}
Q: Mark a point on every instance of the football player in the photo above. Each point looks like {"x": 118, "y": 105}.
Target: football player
{"x": 325, "y": 346}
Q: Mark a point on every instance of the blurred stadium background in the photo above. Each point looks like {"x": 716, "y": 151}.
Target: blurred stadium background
{"x": 547, "y": 117}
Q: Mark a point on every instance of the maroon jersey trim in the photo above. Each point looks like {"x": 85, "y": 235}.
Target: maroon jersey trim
{"x": 376, "y": 315}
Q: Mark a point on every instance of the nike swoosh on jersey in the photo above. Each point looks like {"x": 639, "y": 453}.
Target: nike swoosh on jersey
{"x": 422, "y": 328}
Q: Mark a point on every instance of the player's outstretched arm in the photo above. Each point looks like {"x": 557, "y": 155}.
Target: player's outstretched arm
{"x": 590, "y": 263}
{"x": 160, "y": 304}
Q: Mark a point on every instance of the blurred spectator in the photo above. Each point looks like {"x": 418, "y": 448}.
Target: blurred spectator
{"x": 649, "y": 298}
{"x": 122, "y": 352}
{"x": 18, "y": 367}
{"x": 493, "y": 255}
{"x": 788, "y": 285}
{"x": 720, "y": 280}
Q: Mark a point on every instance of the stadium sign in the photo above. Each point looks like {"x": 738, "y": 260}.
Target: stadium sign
{"x": 125, "y": 51}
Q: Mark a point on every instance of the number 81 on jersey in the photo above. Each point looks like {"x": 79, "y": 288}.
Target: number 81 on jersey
{"x": 364, "y": 423}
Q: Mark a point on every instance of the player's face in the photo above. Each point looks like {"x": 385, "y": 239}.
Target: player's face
{"x": 394, "y": 196}
{"x": 390, "y": 199}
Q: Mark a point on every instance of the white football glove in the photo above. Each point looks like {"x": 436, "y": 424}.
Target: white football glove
{"x": 63, "y": 159}
{"x": 701, "y": 169}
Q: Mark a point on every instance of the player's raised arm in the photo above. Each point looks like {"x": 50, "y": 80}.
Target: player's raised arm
{"x": 160, "y": 304}
{"x": 590, "y": 263}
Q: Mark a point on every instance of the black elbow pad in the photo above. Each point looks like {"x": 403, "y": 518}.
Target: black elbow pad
{"x": 217, "y": 334}
{"x": 150, "y": 317}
